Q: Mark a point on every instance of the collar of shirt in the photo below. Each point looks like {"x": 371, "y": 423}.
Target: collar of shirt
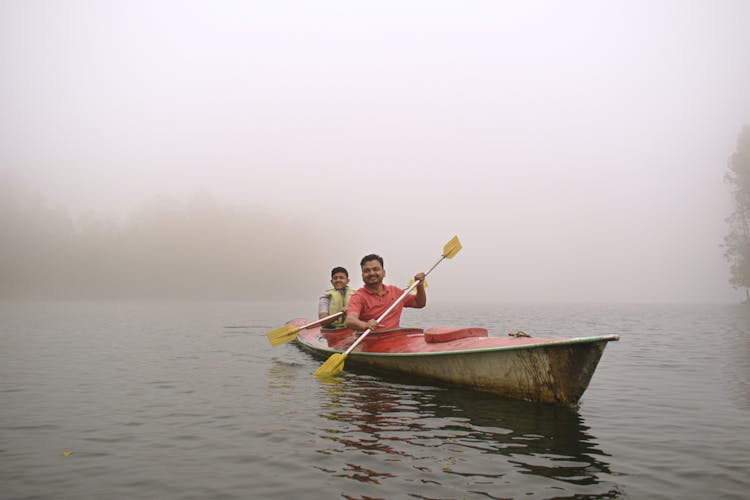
{"x": 371, "y": 292}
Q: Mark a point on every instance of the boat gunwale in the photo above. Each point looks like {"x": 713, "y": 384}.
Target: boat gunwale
{"x": 554, "y": 343}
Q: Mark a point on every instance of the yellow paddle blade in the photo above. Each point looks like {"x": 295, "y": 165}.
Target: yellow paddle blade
{"x": 282, "y": 335}
{"x": 451, "y": 248}
{"x": 332, "y": 366}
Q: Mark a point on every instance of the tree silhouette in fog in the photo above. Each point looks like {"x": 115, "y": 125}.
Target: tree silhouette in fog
{"x": 165, "y": 249}
{"x": 737, "y": 241}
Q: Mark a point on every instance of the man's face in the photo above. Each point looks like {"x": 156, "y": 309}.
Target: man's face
{"x": 339, "y": 281}
{"x": 372, "y": 272}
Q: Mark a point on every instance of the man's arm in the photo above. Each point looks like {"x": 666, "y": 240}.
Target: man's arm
{"x": 420, "y": 300}
{"x": 352, "y": 316}
{"x": 353, "y": 321}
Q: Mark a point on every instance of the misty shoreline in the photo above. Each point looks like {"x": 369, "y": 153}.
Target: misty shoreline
{"x": 166, "y": 250}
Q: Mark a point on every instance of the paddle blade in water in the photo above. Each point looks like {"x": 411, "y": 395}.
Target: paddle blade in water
{"x": 451, "y": 248}
{"x": 282, "y": 335}
{"x": 332, "y": 366}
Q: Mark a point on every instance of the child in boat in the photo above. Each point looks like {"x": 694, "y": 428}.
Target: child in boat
{"x": 336, "y": 299}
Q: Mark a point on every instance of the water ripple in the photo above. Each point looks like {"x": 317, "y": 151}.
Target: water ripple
{"x": 163, "y": 401}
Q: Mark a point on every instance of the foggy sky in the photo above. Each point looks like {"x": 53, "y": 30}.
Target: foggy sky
{"x": 576, "y": 148}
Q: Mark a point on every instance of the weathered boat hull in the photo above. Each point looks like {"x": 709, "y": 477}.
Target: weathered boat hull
{"x": 556, "y": 371}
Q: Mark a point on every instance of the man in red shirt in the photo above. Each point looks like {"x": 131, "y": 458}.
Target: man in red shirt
{"x": 372, "y": 300}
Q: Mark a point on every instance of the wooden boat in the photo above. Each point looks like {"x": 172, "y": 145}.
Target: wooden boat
{"x": 545, "y": 370}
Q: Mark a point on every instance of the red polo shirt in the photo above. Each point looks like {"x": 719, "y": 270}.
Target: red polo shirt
{"x": 369, "y": 305}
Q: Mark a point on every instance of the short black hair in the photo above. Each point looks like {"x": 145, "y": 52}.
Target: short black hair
{"x": 339, "y": 269}
{"x": 372, "y": 256}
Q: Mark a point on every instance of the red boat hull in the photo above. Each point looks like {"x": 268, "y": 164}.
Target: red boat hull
{"x": 544, "y": 370}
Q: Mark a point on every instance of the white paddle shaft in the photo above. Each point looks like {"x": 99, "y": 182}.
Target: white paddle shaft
{"x": 321, "y": 320}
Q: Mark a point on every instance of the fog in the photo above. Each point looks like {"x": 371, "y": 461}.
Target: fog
{"x": 173, "y": 149}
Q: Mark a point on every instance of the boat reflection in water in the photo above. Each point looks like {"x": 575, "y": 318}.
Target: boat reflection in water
{"x": 433, "y": 442}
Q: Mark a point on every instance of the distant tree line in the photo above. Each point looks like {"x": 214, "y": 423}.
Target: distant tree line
{"x": 166, "y": 249}
{"x": 737, "y": 241}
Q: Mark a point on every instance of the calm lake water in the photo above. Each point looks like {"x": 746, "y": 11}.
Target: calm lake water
{"x": 189, "y": 401}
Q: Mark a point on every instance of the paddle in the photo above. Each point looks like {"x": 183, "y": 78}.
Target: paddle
{"x": 335, "y": 363}
{"x": 288, "y": 333}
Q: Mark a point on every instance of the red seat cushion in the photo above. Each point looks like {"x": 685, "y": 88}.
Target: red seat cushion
{"x": 446, "y": 334}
